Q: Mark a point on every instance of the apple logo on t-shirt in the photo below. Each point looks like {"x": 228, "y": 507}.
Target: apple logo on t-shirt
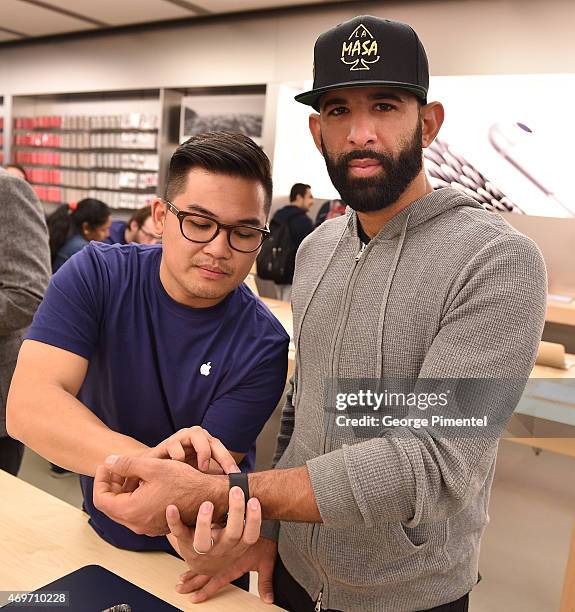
{"x": 205, "y": 368}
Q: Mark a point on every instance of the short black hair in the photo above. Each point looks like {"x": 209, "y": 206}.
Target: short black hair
{"x": 67, "y": 221}
{"x": 299, "y": 189}
{"x": 229, "y": 153}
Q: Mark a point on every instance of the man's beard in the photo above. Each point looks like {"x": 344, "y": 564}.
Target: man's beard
{"x": 376, "y": 192}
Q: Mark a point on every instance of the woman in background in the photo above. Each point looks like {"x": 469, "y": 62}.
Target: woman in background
{"x": 73, "y": 225}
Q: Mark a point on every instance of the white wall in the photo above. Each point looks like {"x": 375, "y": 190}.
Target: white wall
{"x": 296, "y": 160}
{"x": 461, "y": 37}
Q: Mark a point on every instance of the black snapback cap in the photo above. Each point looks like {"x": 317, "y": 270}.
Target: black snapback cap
{"x": 367, "y": 51}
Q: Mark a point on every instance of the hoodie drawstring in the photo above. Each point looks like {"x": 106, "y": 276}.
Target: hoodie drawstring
{"x": 390, "y": 275}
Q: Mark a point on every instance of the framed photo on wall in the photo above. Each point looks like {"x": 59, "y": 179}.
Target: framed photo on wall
{"x": 230, "y": 112}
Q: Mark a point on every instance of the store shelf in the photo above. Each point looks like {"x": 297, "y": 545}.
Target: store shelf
{"x": 74, "y": 150}
{"x": 90, "y": 161}
{"x": 81, "y": 131}
{"x": 95, "y": 187}
{"x": 90, "y": 168}
{"x": 117, "y": 200}
{"x": 79, "y": 146}
{"x": 88, "y": 130}
{"x": 122, "y": 213}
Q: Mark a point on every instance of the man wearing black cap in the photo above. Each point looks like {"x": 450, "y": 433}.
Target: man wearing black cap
{"x": 410, "y": 289}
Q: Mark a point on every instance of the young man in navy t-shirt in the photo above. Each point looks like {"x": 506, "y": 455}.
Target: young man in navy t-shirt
{"x": 132, "y": 343}
{"x": 138, "y": 228}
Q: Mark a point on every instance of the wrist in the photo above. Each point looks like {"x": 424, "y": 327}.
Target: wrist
{"x": 258, "y": 489}
{"x": 219, "y": 495}
{"x": 195, "y": 488}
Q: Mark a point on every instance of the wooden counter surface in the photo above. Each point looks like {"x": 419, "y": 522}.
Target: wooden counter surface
{"x": 44, "y": 538}
{"x": 560, "y": 312}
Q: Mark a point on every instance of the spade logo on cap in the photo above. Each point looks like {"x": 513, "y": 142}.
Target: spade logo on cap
{"x": 360, "y": 49}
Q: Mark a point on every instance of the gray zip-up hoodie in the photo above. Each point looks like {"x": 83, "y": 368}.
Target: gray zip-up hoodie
{"x": 445, "y": 290}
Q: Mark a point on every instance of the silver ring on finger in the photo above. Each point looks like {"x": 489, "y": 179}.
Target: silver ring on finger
{"x": 203, "y": 553}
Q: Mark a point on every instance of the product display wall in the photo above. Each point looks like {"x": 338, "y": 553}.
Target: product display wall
{"x": 116, "y": 145}
{"x": 76, "y": 146}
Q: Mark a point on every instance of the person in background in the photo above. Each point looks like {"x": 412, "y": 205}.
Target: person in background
{"x": 139, "y": 229}
{"x": 16, "y": 170}
{"x": 295, "y": 219}
{"x": 24, "y": 276}
{"x": 330, "y": 209}
{"x": 72, "y": 227}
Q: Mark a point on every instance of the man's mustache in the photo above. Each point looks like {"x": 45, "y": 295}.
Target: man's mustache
{"x": 382, "y": 158}
{"x": 210, "y": 265}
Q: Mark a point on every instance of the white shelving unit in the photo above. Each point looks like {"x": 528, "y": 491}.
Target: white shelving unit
{"x": 112, "y": 145}
{"x": 102, "y": 145}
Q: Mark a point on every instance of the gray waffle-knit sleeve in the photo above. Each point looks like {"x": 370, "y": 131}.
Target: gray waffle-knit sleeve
{"x": 491, "y": 328}
{"x": 25, "y": 255}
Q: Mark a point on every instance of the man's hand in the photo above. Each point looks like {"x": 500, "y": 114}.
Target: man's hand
{"x": 161, "y": 483}
{"x": 196, "y": 447}
{"x": 229, "y": 543}
{"x": 260, "y": 558}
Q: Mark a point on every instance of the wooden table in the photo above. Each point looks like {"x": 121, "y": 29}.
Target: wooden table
{"x": 560, "y": 312}
{"x": 44, "y": 538}
{"x": 282, "y": 312}
{"x": 562, "y": 445}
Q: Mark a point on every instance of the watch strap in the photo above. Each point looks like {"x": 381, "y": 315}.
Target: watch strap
{"x": 240, "y": 479}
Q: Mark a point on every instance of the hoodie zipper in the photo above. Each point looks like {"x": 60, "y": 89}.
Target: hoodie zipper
{"x": 341, "y": 321}
{"x": 318, "y": 602}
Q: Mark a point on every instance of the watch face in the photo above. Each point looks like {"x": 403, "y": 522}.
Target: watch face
{"x": 238, "y": 479}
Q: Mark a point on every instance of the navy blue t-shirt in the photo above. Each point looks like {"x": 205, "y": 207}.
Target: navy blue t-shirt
{"x": 155, "y": 365}
{"x": 74, "y": 244}
{"x": 117, "y": 233}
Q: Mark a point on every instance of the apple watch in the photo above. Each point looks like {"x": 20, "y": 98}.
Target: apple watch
{"x": 240, "y": 479}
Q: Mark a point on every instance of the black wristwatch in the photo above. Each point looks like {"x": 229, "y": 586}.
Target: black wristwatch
{"x": 240, "y": 479}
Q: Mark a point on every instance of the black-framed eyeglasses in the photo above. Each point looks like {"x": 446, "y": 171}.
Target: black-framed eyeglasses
{"x": 202, "y": 229}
